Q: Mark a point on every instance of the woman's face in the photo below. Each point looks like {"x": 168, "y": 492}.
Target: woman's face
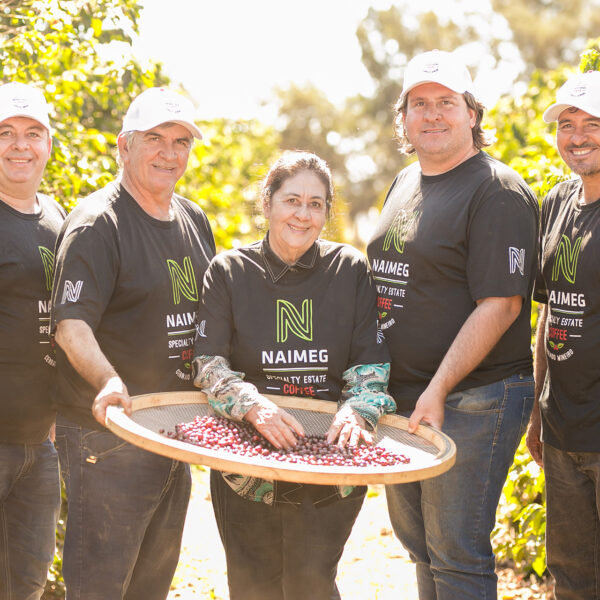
{"x": 297, "y": 214}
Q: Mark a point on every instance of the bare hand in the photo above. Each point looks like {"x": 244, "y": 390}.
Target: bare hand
{"x": 534, "y": 439}
{"x": 113, "y": 392}
{"x": 348, "y": 428}
{"x": 52, "y": 433}
{"x": 278, "y": 426}
{"x": 429, "y": 409}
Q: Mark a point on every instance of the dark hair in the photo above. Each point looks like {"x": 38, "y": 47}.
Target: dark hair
{"x": 480, "y": 137}
{"x": 289, "y": 164}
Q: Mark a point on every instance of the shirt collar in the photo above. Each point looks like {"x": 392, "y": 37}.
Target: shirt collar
{"x": 277, "y": 268}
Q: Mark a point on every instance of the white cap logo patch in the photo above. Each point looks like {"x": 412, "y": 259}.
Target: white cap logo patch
{"x": 156, "y": 106}
{"x": 431, "y": 68}
{"x": 580, "y": 90}
{"x": 437, "y": 67}
{"x": 20, "y": 103}
{"x": 21, "y": 100}
{"x": 172, "y": 107}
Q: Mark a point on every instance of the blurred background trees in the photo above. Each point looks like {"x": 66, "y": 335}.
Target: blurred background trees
{"x": 79, "y": 53}
{"x": 514, "y": 38}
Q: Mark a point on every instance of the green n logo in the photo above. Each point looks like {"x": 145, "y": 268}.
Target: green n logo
{"x": 396, "y": 234}
{"x": 48, "y": 262}
{"x": 290, "y": 319}
{"x": 565, "y": 261}
{"x": 183, "y": 280}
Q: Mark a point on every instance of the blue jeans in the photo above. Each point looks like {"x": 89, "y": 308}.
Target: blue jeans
{"x": 282, "y": 552}
{"x": 29, "y": 507}
{"x": 572, "y": 522}
{"x": 126, "y": 514}
{"x": 445, "y": 522}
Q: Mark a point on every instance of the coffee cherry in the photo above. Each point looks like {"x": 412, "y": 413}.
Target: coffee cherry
{"x": 219, "y": 433}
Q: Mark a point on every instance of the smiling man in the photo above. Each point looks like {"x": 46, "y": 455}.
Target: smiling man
{"x": 564, "y": 433}
{"x": 129, "y": 261}
{"x": 453, "y": 257}
{"x": 29, "y": 224}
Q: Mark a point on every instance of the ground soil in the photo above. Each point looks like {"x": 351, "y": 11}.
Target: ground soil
{"x": 374, "y": 565}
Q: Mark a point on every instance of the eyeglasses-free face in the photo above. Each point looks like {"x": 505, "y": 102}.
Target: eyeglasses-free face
{"x": 297, "y": 213}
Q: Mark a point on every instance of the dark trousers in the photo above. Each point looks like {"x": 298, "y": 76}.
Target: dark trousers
{"x": 282, "y": 552}
{"x": 29, "y": 506}
{"x": 573, "y": 522}
{"x": 127, "y": 509}
{"x": 445, "y": 522}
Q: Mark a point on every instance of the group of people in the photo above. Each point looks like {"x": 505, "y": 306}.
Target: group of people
{"x": 115, "y": 298}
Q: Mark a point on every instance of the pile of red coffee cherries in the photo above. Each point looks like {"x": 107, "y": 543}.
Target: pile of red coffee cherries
{"x": 219, "y": 433}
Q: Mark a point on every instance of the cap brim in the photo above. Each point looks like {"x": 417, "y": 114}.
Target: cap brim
{"x": 44, "y": 123}
{"x": 412, "y": 86}
{"x": 193, "y": 129}
{"x": 552, "y": 113}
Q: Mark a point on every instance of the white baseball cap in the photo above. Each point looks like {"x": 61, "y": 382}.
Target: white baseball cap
{"x": 581, "y": 91}
{"x": 437, "y": 66}
{"x": 21, "y": 100}
{"x": 155, "y": 106}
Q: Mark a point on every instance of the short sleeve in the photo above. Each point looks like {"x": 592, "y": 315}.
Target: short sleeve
{"x": 540, "y": 290}
{"x": 502, "y": 245}
{"x": 86, "y": 271}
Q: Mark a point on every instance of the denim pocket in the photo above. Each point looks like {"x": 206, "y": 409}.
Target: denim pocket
{"x": 101, "y": 444}
{"x": 486, "y": 398}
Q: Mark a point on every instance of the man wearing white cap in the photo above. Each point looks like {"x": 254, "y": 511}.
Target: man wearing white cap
{"x": 130, "y": 259}
{"x": 453, "y": 256}
{"x": 564, "y": 433}
{"x": 29, "y": 224}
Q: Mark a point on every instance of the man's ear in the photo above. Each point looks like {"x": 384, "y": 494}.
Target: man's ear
{"x": 122, "y": 143}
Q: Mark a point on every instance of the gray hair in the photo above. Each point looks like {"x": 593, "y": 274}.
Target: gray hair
{"x": 128, "y": 135}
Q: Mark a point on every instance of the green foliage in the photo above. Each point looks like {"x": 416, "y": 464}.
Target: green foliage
{"x": 358, "y": 137}
{"x": 527, "y": 144}
{"x": 520, "y": 530}
{"x": 590, "y": 59}
{"x": 55, "y": 586}
{"x": 64, "y": 47}
{"x": 223, "y": 176}
{"x": 549, "y": 34}
{"x": 523, "y": 140}
{"x": 78, "y": 53}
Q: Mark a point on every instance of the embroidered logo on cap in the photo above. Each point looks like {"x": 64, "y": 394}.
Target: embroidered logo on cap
{"x": 20, "y": 102}
{"x": 173, "y": 107}
{"x": 431, "y": 68}
{"x": 580, "y": 90}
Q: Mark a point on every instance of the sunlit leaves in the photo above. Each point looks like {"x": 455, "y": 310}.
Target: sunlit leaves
{"x": 59, "y": 46}
{"x": 528, "y": 145}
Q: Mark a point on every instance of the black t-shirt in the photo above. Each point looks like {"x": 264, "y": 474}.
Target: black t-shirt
{"x": 291, "y": 330}
{"x": 569, "y": 283}
{"x": 26, "y": 357}
{"x": 443, "y": 242}
{"x": 135, "y": 281}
